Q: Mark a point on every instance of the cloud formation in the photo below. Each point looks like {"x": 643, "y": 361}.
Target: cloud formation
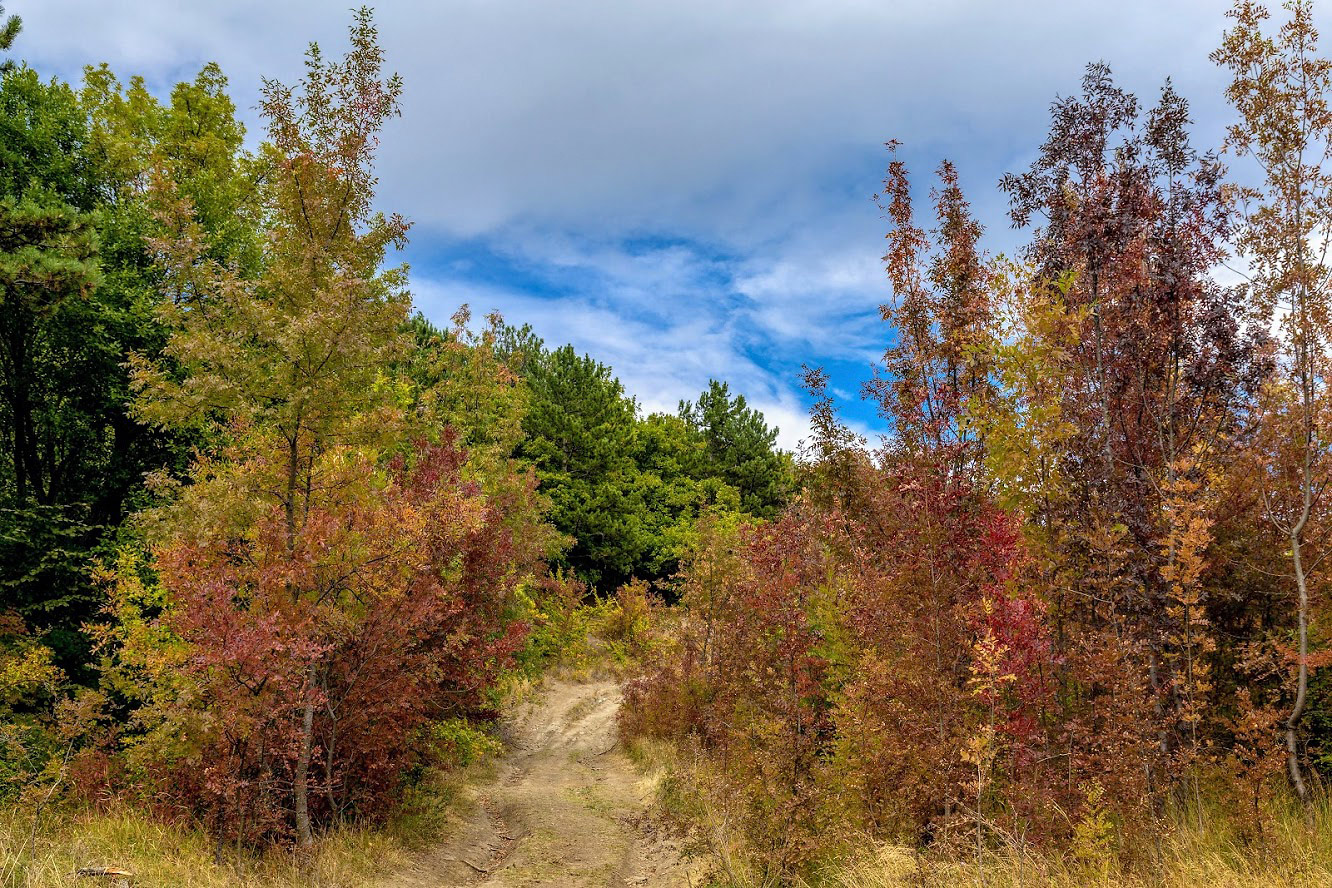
{"x": 680, "y": 187}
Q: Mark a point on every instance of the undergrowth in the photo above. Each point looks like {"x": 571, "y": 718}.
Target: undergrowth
{"x": 43, "y": 847}
{"x": 1187, "y": 849}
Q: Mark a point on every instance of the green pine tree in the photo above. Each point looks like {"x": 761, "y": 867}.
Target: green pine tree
{"x": 581, "y": 436}
{"x": 740, "y": 449}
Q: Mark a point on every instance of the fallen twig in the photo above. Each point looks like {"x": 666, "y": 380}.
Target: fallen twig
{"x": 481, "y": 870}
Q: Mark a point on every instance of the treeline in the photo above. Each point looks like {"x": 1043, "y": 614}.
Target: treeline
{"x": 265, "y": 536}
{"x": 627, "y": 489}
{"x": 1081, "y": 587}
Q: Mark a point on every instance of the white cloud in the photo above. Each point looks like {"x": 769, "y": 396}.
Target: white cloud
{"x": 660, "y": 363}
{"x": 736, "y": 121}
{"x": 694, "y": 174}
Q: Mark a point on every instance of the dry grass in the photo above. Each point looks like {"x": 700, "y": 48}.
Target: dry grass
{"x": 159, "y": 854}
{"x": 162, "y": 854}
{"x": 1294, "y": 852}
{"x": 1184, "y": 862}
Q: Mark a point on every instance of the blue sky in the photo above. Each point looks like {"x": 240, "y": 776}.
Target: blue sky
{"x": 679, "y": 187}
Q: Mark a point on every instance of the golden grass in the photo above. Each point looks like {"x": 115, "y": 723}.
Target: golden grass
{"x": 160, "y": 854}
{"x": 1294, "y": 852}
{"x": 1191, "y": 852}
{"x": 1183, "y": 865}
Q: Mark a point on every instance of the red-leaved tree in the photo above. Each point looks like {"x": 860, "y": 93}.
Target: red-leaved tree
{"x": 389, "y": 611}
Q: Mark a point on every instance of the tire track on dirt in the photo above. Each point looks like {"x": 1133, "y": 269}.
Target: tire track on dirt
{"x": 566, "y": 807}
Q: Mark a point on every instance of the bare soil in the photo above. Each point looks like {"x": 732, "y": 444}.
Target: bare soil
{"x": 566, "y": 807}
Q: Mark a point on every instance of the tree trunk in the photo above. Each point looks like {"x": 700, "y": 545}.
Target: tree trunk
{"x": 1304, "y": 364}
{"x": 289, "y": 502}
{"x": 1302, "y": 682}
{"x": 16, "y": 393}
{"x": 301, "y": 790}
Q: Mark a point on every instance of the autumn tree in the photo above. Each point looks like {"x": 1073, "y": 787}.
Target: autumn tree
{"x": 960, "y": 552}
{"x": 455, "y": 382}
{"x": 1280, "y": 91}
{"x": 863, "y": 658}
{"x": 940, "y": 308}
{"x": 1131, "y": 220}
{"x": 393, "y": 600}
{"x": 290, "y": 359}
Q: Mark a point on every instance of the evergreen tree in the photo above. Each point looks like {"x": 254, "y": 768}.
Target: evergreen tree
{"x": 54, "y": 356}
{"x": 581, "y": 437}
{"x": 9, "y": 31}
{"x": 630, "y": 490}
{"x": 740, "y": 449}
{"x": 673, "y": 458}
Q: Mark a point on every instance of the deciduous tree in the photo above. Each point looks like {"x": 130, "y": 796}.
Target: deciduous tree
{"x": 292, "y": 358}
{"x": 1280, "y": 90}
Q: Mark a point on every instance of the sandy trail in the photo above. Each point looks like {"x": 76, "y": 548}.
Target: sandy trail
{"x": 566, "y": 808}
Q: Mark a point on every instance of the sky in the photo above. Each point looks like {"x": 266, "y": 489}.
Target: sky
{"x": 681, "y": 188}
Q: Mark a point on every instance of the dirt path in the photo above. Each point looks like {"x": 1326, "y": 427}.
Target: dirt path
{"x": 566, "y": 808}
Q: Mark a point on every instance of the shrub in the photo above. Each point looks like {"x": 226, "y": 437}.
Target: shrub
{"x": 391, "y": 610}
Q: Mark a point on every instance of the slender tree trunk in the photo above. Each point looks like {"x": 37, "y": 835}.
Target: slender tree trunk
{"x": 19, "y": 408}
{"x": 289, "y": 503}
{"x": 1302, "y": 682}
{"x": 329, "y": 747}
{"x": 301, "y": 790}
{"x": 1305, "y": 369}
{"x": 1103, "y": 396}
{"x": 1302, "y": 630}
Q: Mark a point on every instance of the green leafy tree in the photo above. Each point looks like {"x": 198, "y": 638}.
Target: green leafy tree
{"x": 456, "y": 386}
{"x": 194, "y": 140}
{"x": 78, "y": 284}
{"x": 740, "y": 449}
{"x": 54, "y": 358}
{"x": 47, "y": 271}
{"x": 673, "y": 460}
{"x": 518, "y": 347}
{"x": 458, "y": 379}
{"x": 581, "y": 437}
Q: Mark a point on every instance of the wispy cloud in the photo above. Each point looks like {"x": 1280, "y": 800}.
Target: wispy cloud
{"x": 679, "y": 187}
{"x": 661, "y": 357}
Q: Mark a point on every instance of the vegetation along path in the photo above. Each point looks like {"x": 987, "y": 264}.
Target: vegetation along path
{"x": 566, "y": 806}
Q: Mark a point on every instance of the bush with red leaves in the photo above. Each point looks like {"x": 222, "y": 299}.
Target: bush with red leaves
{"x": 386, "y": 610}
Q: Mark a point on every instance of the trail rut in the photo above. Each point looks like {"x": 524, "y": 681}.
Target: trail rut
{"x": 566, "y": 808}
